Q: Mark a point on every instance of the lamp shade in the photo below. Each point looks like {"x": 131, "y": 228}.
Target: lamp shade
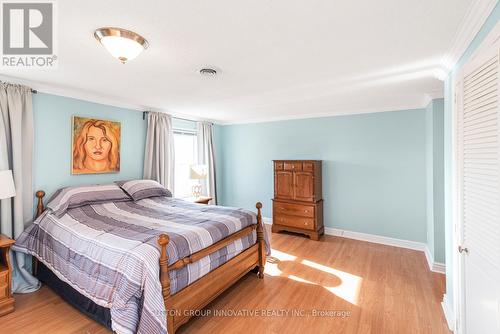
{"x": 198, "y": 172}
{"x": 7, "y": 188}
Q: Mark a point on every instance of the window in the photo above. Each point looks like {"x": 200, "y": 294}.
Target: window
{"x": 185, "y": 151}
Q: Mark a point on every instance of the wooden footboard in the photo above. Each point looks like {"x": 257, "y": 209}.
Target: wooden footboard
{"x": 184, "y": 304}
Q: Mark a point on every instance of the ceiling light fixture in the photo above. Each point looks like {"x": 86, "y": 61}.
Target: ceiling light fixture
{"x": 208, "y": 72}
{"x": 123, "y": 44}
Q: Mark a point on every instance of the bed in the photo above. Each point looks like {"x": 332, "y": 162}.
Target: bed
{"x": 141, "y": 265}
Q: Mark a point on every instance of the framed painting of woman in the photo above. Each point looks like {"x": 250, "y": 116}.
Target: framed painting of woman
{"x": 96, "y": 146}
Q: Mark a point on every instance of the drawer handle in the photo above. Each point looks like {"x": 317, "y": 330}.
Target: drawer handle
{"x": 306, "y": 223}
{"x": 306, "y": 211}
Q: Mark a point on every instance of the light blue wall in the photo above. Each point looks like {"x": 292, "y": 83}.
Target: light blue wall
{"x": 52, "y": 161}
{"x": 492, "y": 20}
{"x": 434, "y": 114}
{"x": 429, "y": 169}
{"x": 374, "y": 176}
{"x": 438, "y": 176}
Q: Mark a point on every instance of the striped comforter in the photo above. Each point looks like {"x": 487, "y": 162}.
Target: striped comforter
{"x": 108, "y": 252}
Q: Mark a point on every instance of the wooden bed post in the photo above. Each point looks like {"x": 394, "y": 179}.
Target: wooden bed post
{"x": 39, "y": 207}
{"x": 163, "y": 241}
{"x": 260, "y": 241}
{"x": 39, "y": 210}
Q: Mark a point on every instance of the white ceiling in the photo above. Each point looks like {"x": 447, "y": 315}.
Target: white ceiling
{"x": 276, "y": 58}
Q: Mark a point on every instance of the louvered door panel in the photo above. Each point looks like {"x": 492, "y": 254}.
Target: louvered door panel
{"x": 477, "y": 109}
{"x": 478, "y": 132}
{"x": 479, "y": 190}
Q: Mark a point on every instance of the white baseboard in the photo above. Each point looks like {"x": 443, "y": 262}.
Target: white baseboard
{"x": 448, "y": 313}
{"x": 439, "y": 267}
{"x": 436, "y": 267}
{"x": 378, "y": 239}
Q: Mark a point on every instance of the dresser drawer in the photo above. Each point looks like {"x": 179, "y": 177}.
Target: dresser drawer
{"x": 292, "y": 221}
{"x": 278, "y": 165}
{"x": 4, "y": 276}
{"x": 293, "y": 209}
{"x": 308, "y": 166}
{"x": 4, "y": 291}
{"x": 292, "y": 165}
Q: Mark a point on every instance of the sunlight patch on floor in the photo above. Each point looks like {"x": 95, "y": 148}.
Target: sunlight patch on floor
{"x": 348, "y": 289}
{"x": 272, "y": 265}
{"x": 283, "y": 256}
{"x": 301, "y": 280}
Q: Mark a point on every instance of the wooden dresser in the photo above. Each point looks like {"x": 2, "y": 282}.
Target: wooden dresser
{"x": 298, "y": 200}
{"x": 6, "y": 299}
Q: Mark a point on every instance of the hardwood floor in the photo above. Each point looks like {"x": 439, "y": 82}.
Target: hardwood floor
{"x": 362, "y": 287}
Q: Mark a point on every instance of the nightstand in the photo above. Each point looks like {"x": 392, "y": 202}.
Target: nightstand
{"x": 6, "y": 299}
{"x": 199, "y": 200}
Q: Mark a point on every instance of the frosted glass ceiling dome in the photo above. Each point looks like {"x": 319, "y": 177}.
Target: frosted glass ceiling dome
{"x": 123, "y": 44}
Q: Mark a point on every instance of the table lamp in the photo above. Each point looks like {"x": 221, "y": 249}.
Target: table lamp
{"x": 197, "y": 172}
{"x": 7, "y": 189}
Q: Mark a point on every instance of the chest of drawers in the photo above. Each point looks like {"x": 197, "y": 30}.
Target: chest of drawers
{"x": 298, "y": 203}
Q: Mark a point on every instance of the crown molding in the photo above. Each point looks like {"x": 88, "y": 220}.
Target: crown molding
{"x": 474, "y": 18}
{"x": 79, "y": 94}
{"x": 432, "y": 96}
{"x": 74, "y": 93}
{"x": 344, "y": 112}
{"x": 93, "y": 97}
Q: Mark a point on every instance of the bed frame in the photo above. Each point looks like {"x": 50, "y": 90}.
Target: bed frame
{"x": 183, "y": 305}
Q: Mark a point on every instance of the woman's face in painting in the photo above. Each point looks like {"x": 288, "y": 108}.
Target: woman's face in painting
{"x": 97, "y": 145}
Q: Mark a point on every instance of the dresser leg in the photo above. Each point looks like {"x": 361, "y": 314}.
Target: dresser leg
{"x": 314, "y": 236}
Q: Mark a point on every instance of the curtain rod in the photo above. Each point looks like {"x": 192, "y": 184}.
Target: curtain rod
{"x": 184, "y": 119}
{"x": 33, "y": 91}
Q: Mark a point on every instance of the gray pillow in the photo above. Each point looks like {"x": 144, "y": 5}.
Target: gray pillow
{"x": 140, "y": 189}
{"x": 76, "y": 196}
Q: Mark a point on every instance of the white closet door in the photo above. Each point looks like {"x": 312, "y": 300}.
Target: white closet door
{"x": 479, "y": 191}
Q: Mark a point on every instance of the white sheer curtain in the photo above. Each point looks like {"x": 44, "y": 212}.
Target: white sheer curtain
{"x": 206, "y": 156}
{"x": 16, "y": 153}
{"x": 159, "y": 155}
